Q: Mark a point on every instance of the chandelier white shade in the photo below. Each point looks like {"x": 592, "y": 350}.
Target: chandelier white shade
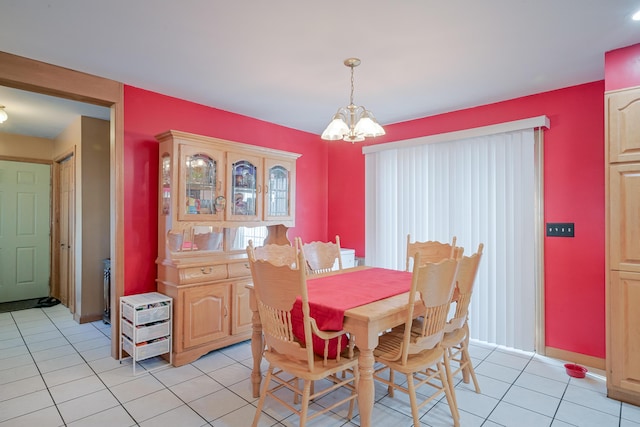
{"x": 3, "y": 114}
{"x": 352, "y": 123}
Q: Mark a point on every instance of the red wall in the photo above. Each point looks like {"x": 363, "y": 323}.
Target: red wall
{"x": 622, "y": 68}
{"x": 148, "y": 114}
{"x": 330, "y": 182}
{"x": 574, "y": 192}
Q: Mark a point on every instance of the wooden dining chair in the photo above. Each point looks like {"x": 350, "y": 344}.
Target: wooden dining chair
{"x": 276, "y": 254}
{"x": 290, "y": 360}
{"x": 456, "y": 337}
{"x": 414, "y": 348}
{"x": 431, "y": 251}
{"x": 321, "y": 256}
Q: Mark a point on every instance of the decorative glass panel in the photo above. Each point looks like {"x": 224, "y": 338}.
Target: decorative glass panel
{"x": 244, "y": 175}
{"x": 278, "y": 197}
{"x": 166, "y": 184}
{"x": 201, "y": 184}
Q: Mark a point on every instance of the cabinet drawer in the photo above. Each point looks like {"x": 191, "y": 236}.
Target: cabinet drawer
{"x": 203, "y": 274}
{"x": 145, "y": 351}
{"x": 146, "y": 315}
{"x": 146, "y": 333}
{"x": 240, "y": 269}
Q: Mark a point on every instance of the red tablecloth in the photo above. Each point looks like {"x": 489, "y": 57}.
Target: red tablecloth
{"x": 331, "y": 296}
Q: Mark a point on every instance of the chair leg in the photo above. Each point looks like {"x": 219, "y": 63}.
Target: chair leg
{"x": 469, "y": 367}
{"x": 412, "y": 398}
{"x": 448, "y": 391}
{"x": 447, "y": 368}
{"x": 356, "y": 377}
{"x": 263, "y": 395}
{"x": 465, "y": 356}
{"x": 464, "y": 347}
{"x": 305, "y": 402}
{"x": 390, "y": 388}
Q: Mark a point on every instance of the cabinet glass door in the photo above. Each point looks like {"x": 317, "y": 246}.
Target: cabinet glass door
{"x": 245, "y": 187}
{"x": 201, "y": 185}
{"x": 278, "y": 190}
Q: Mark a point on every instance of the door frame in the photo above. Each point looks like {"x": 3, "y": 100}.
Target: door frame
{"x": 27, "y": 74}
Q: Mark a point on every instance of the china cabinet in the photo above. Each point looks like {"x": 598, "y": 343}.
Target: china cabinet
{"x": 623, "y": 244}
{"x": 215, "y": 195}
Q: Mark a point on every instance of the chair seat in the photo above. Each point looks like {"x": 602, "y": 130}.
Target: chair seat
{"x": 454, "y": 338}
{"x": 390, "y": 342}
{"x": 300, "y": 368}
{"x": 414, "y": 361}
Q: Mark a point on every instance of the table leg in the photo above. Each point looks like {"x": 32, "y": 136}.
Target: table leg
{"x": 257, "y": 345}
{"x": 366, "y": 389}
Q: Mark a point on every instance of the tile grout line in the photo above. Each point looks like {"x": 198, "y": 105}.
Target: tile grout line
{"x": 52, "y": 322}
{"x": 36, "y": 364}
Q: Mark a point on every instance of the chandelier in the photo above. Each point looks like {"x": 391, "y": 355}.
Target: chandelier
{"x": 352, "y": 123}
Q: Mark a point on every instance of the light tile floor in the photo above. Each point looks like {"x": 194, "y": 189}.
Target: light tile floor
{"x": 55, "y": 372}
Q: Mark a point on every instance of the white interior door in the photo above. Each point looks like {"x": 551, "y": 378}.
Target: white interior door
{"x": 25, "y": 194}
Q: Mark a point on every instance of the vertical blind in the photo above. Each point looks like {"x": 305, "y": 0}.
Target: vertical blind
{"x": 481, "y": 190}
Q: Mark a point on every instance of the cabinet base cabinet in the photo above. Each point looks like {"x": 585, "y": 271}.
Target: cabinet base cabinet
{"x": 206, "y": 317}
{"x": 623, "y": 394}
{"x": 624, "y": 371}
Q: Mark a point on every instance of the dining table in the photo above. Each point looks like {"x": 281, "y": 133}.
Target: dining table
{"x": 367, "y": 300}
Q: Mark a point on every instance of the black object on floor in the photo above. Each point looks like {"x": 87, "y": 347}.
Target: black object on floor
{"x": 47, "y": 302}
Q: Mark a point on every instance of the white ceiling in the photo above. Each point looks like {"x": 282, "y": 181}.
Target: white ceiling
{"x": 282, "y": 60}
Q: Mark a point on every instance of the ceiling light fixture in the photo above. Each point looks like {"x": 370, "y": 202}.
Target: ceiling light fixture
{"x": 3, "y": 114}
{"x": 352, "y": 123}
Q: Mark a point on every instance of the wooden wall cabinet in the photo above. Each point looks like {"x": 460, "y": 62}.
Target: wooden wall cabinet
{"x": 209, "y": 190}
{"x": 623, "y": 111}
{"x": 623, "y": 244}
{"x": 624, "y": 220}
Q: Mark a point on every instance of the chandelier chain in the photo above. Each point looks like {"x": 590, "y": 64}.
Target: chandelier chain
{"x": 352, "y": 86}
